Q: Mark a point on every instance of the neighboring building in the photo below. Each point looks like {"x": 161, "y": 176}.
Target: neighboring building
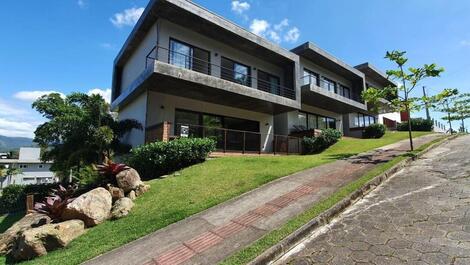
{"x": 187, "y": 71}
{"x": 3, "y": 155}
{"x": 34, "y": 171}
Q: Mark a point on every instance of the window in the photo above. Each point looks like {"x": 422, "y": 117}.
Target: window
{"x": 189, "y": 57}
{"x": 363, "y": 120}
{"x": 302, "y": 121}
{"x": 311, "y": 77}
{"x": 23, "y": 166}
{"x": 313, "y": 121}
{"x": 40, "y": 166}
{"x": 329, "y": 84}
{"x": 269, "y": 83}
{"x": 344, "y": 91}
{"x": 235, "y": 72}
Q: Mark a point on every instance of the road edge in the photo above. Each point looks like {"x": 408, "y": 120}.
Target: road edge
{"x": 275, "y": 252}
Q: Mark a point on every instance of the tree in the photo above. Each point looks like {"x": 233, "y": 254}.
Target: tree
{"x": 408, "y": 80}
{"x": 80, "y": 129}
{"x": 443, "y": 102}
{"x": 461, "y": 109}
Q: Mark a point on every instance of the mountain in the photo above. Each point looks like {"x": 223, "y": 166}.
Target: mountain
{"x": 14, "y": 143}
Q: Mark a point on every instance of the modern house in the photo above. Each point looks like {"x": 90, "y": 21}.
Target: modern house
{"x": 185, "y": 71}
{"x": 33, "y": 170}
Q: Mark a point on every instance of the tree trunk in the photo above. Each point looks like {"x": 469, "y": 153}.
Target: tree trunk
{"x": 450, "y": 123}
{"x": 409, "y": 128}
{"x": 463, "y": 125}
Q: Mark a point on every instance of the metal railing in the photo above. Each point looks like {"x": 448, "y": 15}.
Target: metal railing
{"x": 312, "y": 79}
{"x": 239, "y": 141}
{"x": 162, "y": 54}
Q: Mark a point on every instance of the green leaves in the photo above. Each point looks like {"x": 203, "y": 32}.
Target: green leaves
{"x": 397, "y": 56}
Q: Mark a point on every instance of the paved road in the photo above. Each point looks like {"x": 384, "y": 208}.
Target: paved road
{"x": 419, "y": 216}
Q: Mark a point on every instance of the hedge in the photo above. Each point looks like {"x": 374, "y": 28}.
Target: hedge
{"x": 13, "y": 197}
{"x": 375, "y": 130}
{"x": 326, "y": 138}
{"x": 417, "y": 124}
{"x": 155, "y": 159}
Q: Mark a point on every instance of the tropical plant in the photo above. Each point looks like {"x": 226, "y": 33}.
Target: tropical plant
{"x": 417, "y": 124}
{"x": 327, "y": 137}
{"x": 79, "y": 131}
{"x": 443, "y": 102}
{"x": 54, "y": 205}
{"x": 402, "y": 99}
{"x": 108, "y": 170}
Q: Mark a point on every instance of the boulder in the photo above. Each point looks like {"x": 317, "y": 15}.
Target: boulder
{"x": 128, "y": 179}
{"x": 116, "y": 193}
{"x": 141, "y": 189}
{"x": 121, "y": 208}
{"x": 92, "y": 207}
{"x": 38, "y": 241}
{"x": 131, "y": 195}
{"x": 8, "y": 238}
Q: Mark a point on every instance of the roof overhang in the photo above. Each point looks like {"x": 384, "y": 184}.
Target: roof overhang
{"x": 322, "y": 58}
{"x": 373, "y": 73}
{"x": 192, "y": 16}
{"x": 318, "y": 97}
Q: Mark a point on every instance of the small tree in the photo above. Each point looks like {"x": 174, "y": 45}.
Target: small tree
{"x": 443, "y": 102}
{"x": 408, "y": 80}
{"x": 461, "y": 109}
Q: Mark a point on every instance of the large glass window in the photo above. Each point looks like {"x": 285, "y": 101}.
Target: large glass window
{"x": 363, "y": 120}
{"x": 269, "y": 83}
{"x": 313, "y": 121}
{"x": 302, "y": 121}
{"x": 311, "y": 77}
{"x": 235, "y": 72}
{"x": 344, "y": 91}
{"x": 331, "y": 123}
{"x": 189, "y": 57}
{"x": 329, "y": 84}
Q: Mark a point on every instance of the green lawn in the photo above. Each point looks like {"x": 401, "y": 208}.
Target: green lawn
{"x": 197, "y": 188}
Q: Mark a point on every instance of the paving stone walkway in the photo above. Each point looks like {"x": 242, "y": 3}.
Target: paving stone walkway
{"x": 214, "y": 234}
{"x": 419, "y": 216}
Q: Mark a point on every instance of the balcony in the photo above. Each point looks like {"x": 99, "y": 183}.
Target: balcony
{"x": 195, "y": 77}
{"x": 319, "y": 93}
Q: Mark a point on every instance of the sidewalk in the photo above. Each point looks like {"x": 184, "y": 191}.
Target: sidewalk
{"x": 212, "y": 235}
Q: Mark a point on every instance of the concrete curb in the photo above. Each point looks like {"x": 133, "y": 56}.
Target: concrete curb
{"x": 276, "y": 251}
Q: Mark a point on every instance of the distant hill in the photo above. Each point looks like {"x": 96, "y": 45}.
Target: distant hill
{"x": 14, "y": 143}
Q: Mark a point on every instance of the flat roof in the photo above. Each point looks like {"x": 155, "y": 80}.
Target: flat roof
{"x": 375, "y": 74}
{"x": 324, "y": 59}
{"x": 203, "y": 21}
{"x": 18, "y": 161}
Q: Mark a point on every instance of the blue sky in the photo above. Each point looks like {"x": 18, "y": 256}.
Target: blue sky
{"x": 69, "y": 45}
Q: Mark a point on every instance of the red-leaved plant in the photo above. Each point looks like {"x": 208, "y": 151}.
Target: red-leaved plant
{"x": 109, "y": 169}
{"x": 54, "y": 205}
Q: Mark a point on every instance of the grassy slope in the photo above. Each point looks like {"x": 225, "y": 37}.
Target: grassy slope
{"x": 273, "y": 237}
{"x": 197, "y": 188}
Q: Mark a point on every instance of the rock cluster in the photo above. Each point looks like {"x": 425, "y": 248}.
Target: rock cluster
{"x": 34, "y": 235}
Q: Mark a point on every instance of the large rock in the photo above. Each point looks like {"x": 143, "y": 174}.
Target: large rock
{"x": 131, "y": 195}
{"x": 92, "y": 207}
{"x": 116, "y": 193}
{"x": 128, "y": 179}
{"x": 121, "y": 208}
{"x": 38, "y": 241}
{"x": 8, "y": 238}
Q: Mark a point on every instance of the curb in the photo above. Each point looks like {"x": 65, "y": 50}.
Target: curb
{"x": 275, "y": 252}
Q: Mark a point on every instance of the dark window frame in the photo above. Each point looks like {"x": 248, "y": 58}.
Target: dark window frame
{"x": 361, "y": 117}
{"x": 313, "y": 73}
{"x": 278, "y": 92}
{"x": 250, "y": 83}
{"x": 330, "y": 81}
{"x": 209, "y": 64}
{"x": 317, "y": 117}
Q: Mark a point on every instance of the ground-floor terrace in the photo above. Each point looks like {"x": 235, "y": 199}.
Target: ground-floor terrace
{"x": 236, "y": 130}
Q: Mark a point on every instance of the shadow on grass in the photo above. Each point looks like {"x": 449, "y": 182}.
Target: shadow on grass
{"x": 341, "y": 156}
{"x": 9, "y": 220}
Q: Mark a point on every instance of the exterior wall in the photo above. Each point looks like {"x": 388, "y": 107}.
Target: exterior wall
{"x": 161, "y": 107}
{"x": 136, "y": 109}
{"x": 394, "y": 116}
{"x": 304, "y": 63}
{"x": 169, "y": 30}
{"x": 136, "y": 63}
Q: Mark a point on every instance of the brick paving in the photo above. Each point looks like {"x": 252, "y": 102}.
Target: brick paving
{"x": 212, "y": 235}
{"x": 421, "y": 215}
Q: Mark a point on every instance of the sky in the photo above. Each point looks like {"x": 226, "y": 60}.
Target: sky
{"x": 69, "y": 45}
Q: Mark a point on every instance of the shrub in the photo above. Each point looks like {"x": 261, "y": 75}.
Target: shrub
{"x": 55, "y": 204}
{"x": 376, "y": 130}
{"x": 159, "y": 158}
{"x": 417, "y": 124}
{"x": 14, "y": 196}
{"x": 326, "y": 138}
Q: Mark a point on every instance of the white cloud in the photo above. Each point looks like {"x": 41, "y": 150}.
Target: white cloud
{"x": 31, "y": 96}
{"x": 13, "y": 128}
{"x": 127, "y": 18}
{"x": 259, "y": 26}
{"x": 284, "y": 23}
{"x": 263, "y": 28}
{"x": 240, "y": 7}
{"x": 105, "y": 93}
{"x": 465, "y": 43}
{"x": 292, "y": 35}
